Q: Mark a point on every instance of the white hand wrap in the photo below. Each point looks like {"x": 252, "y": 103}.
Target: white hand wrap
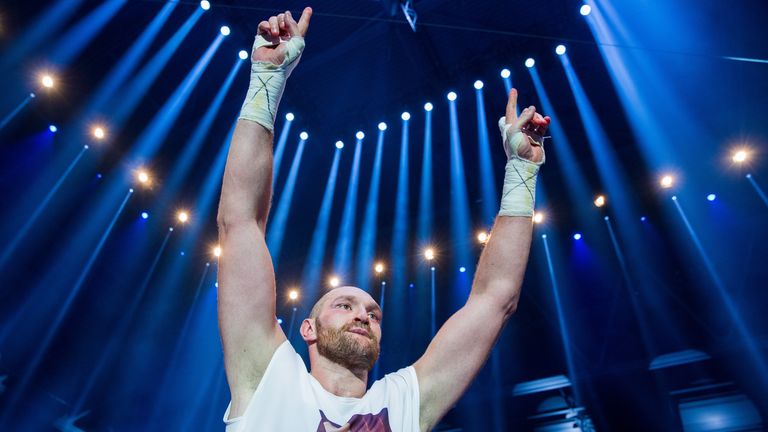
{"x": 519, "y": 193}
{"x": 268, "y": 82}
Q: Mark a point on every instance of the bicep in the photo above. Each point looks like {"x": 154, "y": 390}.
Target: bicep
{"x": 246, "y": 302}
{"x": 455, "y": 356}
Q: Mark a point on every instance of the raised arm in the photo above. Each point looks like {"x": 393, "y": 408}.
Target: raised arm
{"x": 246, "y": 294}
{"x": 461, "y": 347}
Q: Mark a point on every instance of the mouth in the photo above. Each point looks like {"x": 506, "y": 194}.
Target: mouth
{"x": 359, "y": 331}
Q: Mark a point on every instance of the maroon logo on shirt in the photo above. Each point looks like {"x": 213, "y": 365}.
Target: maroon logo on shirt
{"x": 358, "y": 423}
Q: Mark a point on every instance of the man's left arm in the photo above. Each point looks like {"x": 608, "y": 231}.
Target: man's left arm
{"x": 461, "y": 347}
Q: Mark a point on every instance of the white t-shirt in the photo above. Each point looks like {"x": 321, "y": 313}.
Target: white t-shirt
{"x": 289, "y": 399}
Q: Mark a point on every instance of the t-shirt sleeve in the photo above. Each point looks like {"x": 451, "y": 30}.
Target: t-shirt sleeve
{"x": 403, "y": 389}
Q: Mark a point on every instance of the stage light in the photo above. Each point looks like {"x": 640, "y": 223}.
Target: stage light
{"x": 482, "y": 236}
{"x": 543, "y": 236}
{"x": 53, "y": 128}
{"x": 243, "y": 54}
{"x": 530, "y": 62}
{"x": 334, "y": 281}
{"x": 452, "y": 96}
{"x": 183, "y": 216}
{"x": 462, "y": 269}
{"x": 205, "y": 5}
{"x": 429, "y": 254}
{"x": 280, "y": 321}
{"x": 667, "y": 181}
{"x": 428, "y": 106}
{"x": 478, "y": 85}
{"x": 674, "y": 197}
{"x": 560, "y": 50}
{"x": 379, "y": 268}
{"x": 339, "y": 144}
{"x": 225, "y": 30}
{"x": 711, "y": 197}
{"x": 360, "y": 135}
{"x": 405, "y": 116}
{"x": 740, "y": 156}
{"x": 217, "y": 251}
{"x": 144, "y": 215}
{"x": 505, "y": 73}
{"x": 382, "y": 126}
{"x": 99, "y": 132}
{"x": 643, "y": 218}
{"x": 289, "y": 117}
{"x": 142, "y": 176}
{"x": 577, "y": 236}
{"x": 599, "y": 201}
{"x": 293, "y": 294}
{"x": 47, "y": 81}
{"x": 585, "y": 10}
{"x": 304, "y": 136}
{"x": 538, "y": 217}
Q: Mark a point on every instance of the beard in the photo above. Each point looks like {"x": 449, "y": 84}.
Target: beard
{"x": 340, "y": 346}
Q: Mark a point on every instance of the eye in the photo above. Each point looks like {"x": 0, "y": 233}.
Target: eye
{"x": 345, "y": 306}
{"x": 373, "y": 316}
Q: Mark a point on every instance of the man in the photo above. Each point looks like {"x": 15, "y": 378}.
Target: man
{"x": 271, "y": 388}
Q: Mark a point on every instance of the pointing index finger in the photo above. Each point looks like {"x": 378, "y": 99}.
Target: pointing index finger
{"x": 511, "y": 114}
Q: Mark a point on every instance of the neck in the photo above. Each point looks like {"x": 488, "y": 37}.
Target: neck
{"x": 337, "y": 379}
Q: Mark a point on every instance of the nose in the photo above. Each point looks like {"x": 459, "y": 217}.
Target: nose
{"x": 362, "y": 316}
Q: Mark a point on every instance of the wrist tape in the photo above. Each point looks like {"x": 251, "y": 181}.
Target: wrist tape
{"x": 268, "y": 82}
{"x": 518, "y": 195}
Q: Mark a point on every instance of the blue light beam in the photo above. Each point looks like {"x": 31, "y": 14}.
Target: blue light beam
{"x": 73, "y": 42}
{"x": 342, "y": 258}
{"x": 487, "y": 183}
{"x": 399, "y": 264}
{"x": 366, "y": 247}
{"x": 10, "y": 116}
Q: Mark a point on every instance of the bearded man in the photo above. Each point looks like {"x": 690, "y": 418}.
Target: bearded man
{"x": 270, "y": 386}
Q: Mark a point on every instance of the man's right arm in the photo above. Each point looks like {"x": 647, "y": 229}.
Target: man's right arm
{"x": 246, "y": 295}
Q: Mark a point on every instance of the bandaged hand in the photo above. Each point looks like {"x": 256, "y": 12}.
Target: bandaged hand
{"x": 276, "y": 52}
{"x": 522, "y": 137}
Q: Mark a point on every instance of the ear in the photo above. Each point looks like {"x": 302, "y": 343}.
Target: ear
{"x": 308, "y": 330}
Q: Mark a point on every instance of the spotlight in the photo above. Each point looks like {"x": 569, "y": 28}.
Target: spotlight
{"x": 382, "y": 126}
{"x": 543, "y": 236}
{"x": 505, "y": 73}
{"x": 243, "y": 54}
{"x": 224, "y": 30}
{"x": 293, "y": 294}
{"x": 711, "y": 197}
{"x": 452, "y": 96}
{"x": 667, "y": 181}
{"x": 334, "y": 281}
{"x": 462, "y": 269}
{"x": 674, "y": 197}
{"x": 538, "y": 217}
{"x": 740, "y": 156}
{"x": 478, "y": 85}
{"x": 360, "y": 135}
{"x": 379, "y": 268}
{"x": 429, "y": 254}
{"x": 585, "y": 10}
{"x": 643, "y": 218}
{"x": 339, "y": 144}
{"x": 304, "y": 136}
{"x": 599, "y": 201}
{"x": 47, "y": 81}
{"x": 577, "y": 236}
{"x": 289, "y": 117}
{"x": 183, "y": 216}
{"x": 560, "y": 50}
{"x": 280, "y": 321}
{"x": 428, "y": 106}
{"x": 53, "y": 128}
{"x": 530, "y": 62}
{"x": 144, "y": 215}
{"x": 432, "y": 268}
{"x": 99, "y": 133}
{"x": 205, "y": 5}
{"x": 217, "y": 251}
{"x": 482, "y": 236}
{"x": 405, "y": 116}
{"x": 142, "y": 176}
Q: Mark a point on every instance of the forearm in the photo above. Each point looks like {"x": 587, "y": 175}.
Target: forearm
{"x": 500, "y": 271}
{"x": 247, "y": 186}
